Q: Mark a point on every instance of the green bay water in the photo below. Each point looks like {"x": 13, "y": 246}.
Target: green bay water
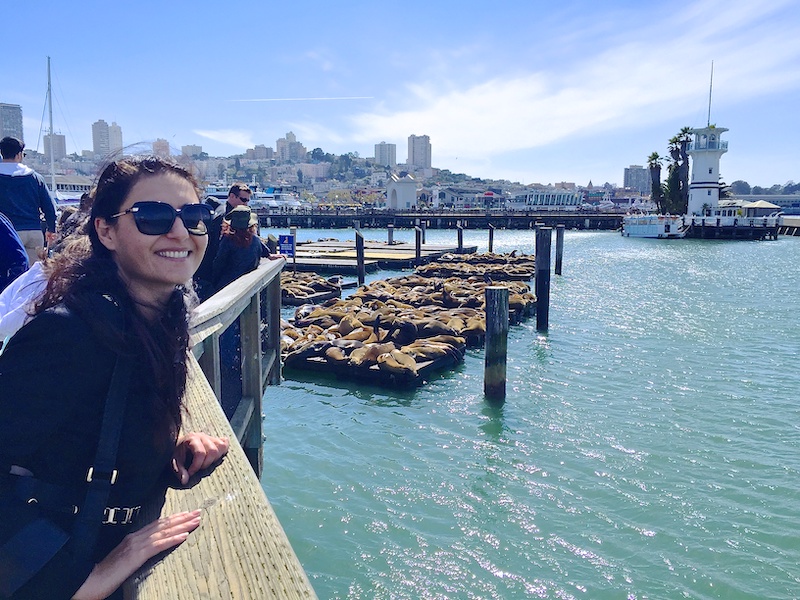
{"x": 649, "y": 446}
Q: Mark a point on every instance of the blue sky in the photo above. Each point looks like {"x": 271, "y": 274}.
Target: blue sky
{"x": 529, "y": 90}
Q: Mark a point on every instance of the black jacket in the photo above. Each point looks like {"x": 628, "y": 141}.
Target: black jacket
{"x": 54, "y": 377}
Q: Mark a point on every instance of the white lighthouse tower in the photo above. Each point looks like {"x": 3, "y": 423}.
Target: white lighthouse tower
{"x": 706, "y": 150}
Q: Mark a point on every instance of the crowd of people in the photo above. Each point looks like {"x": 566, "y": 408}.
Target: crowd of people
{"x": 94, "y": 323}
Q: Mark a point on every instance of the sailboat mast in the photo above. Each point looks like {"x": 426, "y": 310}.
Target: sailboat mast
{"x": 52, "y": 141}
{"x": 710, "y": 85}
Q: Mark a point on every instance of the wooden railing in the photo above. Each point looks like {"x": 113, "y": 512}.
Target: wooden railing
{"x": 253, "y": 298}
{"x": 240, "y": 550}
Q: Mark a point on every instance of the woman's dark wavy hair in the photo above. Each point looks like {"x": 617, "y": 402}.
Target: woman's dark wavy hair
{"x": 78, "y": 278}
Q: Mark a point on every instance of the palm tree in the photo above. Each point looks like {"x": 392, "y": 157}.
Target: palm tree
{"x": 656, "y": 191}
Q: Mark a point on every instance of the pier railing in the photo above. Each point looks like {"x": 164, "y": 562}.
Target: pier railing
{"x": 240, "y": 550}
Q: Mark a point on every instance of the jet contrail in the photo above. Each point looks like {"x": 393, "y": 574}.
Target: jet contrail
{"x": 302, "y": 99}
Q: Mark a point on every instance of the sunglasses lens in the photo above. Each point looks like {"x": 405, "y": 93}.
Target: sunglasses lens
{"x": 196, "y": 218}
{"x": 154, "y": 218}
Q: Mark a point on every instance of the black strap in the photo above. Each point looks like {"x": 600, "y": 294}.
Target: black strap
{"x": 102, "y": 474}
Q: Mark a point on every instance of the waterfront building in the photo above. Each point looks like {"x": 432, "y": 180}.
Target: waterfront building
{"x": 548, "y": 198}
{"x": 100, "y": 142}
{"x": 705, "y": 150}
{"x": 419, "y": 151}
{"x": 386, "y": 155}
{"x": 161, "y": 148}
{"x": 55, "y": 143}
{"x": 115, "y": 138}
{"x": 637, "y": 178}
{"x": 11, "y": 121}
{"x": 401, "y": 192}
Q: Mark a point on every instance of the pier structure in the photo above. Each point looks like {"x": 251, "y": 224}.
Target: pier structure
{"x": 240, "y": 551}
{"x": 438, "y": 219}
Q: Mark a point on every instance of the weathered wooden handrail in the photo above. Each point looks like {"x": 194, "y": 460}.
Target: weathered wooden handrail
{"x": 260, "y": 362}
{"x": 240, "y": 550}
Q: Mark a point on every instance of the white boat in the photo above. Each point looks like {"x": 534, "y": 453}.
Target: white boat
{"x": 654, "y": 226}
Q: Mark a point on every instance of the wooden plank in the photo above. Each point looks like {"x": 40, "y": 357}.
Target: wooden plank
{"x": 240, "y": 550}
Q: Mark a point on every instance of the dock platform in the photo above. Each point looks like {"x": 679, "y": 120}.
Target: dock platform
{"x": 334, "y": 256}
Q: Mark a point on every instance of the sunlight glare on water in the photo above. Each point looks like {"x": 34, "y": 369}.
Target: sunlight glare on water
{"x": 648, "y": 446}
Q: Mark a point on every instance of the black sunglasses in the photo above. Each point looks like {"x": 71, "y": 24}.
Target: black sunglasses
{"x": 244, "y": 199}
{"x": 157, "y": 218}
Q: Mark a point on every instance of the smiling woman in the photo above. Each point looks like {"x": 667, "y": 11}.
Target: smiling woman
{"x": 87, "y": 439}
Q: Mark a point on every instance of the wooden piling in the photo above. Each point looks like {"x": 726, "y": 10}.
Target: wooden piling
{"x": 424, "y": 225}
{"x": 418, "y": 246}
{"x": 293, "y": 233}
{"x": 360, "y": 258}
{"x": 494, "y": 373}
{"x": 559, "y": 248}
{"x": 491, "y": 238}
{"x": 390, "y": 234}
{"x": 542, "y": 277}
{"x": 460, "y": 238}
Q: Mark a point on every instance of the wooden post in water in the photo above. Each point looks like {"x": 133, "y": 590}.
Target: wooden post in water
{"x": 542, "y": 278}
{"x": 360, "y": 257}
{"x": 357, "y": 224}
{"x": 418, "y": 253}
{"x": 293, "y": 233}
{"x": 460, "y": 238}
{"x": 491, "y": 238}
{"x": 424, "y": 225}
{"x": 559, "y": 247}
{"x": 390, "y": 234}
{"x": 494, "y": 373}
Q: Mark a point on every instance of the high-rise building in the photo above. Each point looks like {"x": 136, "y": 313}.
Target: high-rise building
{"x": 58, "y": 143}
{"x": 419, "y": 151}
{"x": 288, "y": 149}
{"x": 637, "y": 178}
{"x": 386, "y": 155}
{"x": 191, "y": 150}
{"x": 161, "y": 148}
{"x": 11, "y": 121}
{"x": 115, "y": 138}
{"x": 100, "y": 143}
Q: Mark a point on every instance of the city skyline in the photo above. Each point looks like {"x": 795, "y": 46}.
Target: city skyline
{"x": 519, "y": 91}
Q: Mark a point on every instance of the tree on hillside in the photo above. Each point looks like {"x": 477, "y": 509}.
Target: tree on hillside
{"x": 740, "y": 188}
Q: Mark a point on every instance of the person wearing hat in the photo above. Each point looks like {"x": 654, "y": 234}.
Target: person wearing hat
{"x": 240, "y": 249}
{"x": 24, "y": 197}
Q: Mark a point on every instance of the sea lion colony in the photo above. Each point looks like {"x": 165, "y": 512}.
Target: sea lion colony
{"x": 396, "y": 329}
{"x": 499, "y": 267}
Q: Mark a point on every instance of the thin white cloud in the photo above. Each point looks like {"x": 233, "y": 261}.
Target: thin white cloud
{"x": 652, "y": 75}
{"x": 302, "y": 99}
{"x": 231, "y": 137}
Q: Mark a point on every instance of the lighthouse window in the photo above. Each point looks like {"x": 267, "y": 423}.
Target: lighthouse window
{"x": 709, "y": 171}
{"x": 709, "y": 192}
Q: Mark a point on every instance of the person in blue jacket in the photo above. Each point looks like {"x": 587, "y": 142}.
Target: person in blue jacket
{"x": 13, "y": 258}
{"x": 24, "y": 199}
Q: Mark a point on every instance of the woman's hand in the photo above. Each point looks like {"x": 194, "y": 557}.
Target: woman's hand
{"x": 203, "y": 449}
{"x": 133, "y": 551}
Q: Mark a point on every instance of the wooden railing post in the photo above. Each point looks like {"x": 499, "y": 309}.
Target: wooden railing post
{"x": 252, "y": 382}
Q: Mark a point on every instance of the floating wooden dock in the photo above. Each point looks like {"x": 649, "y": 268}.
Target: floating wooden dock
{"x": 334, "y": 256}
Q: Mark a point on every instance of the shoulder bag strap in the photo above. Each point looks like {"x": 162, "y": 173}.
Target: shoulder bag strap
{"x": 103, "y": 474}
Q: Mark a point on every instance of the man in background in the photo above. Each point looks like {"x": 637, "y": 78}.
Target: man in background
{"x": 24, "y": 199}
{"x": 238, "y": 195}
